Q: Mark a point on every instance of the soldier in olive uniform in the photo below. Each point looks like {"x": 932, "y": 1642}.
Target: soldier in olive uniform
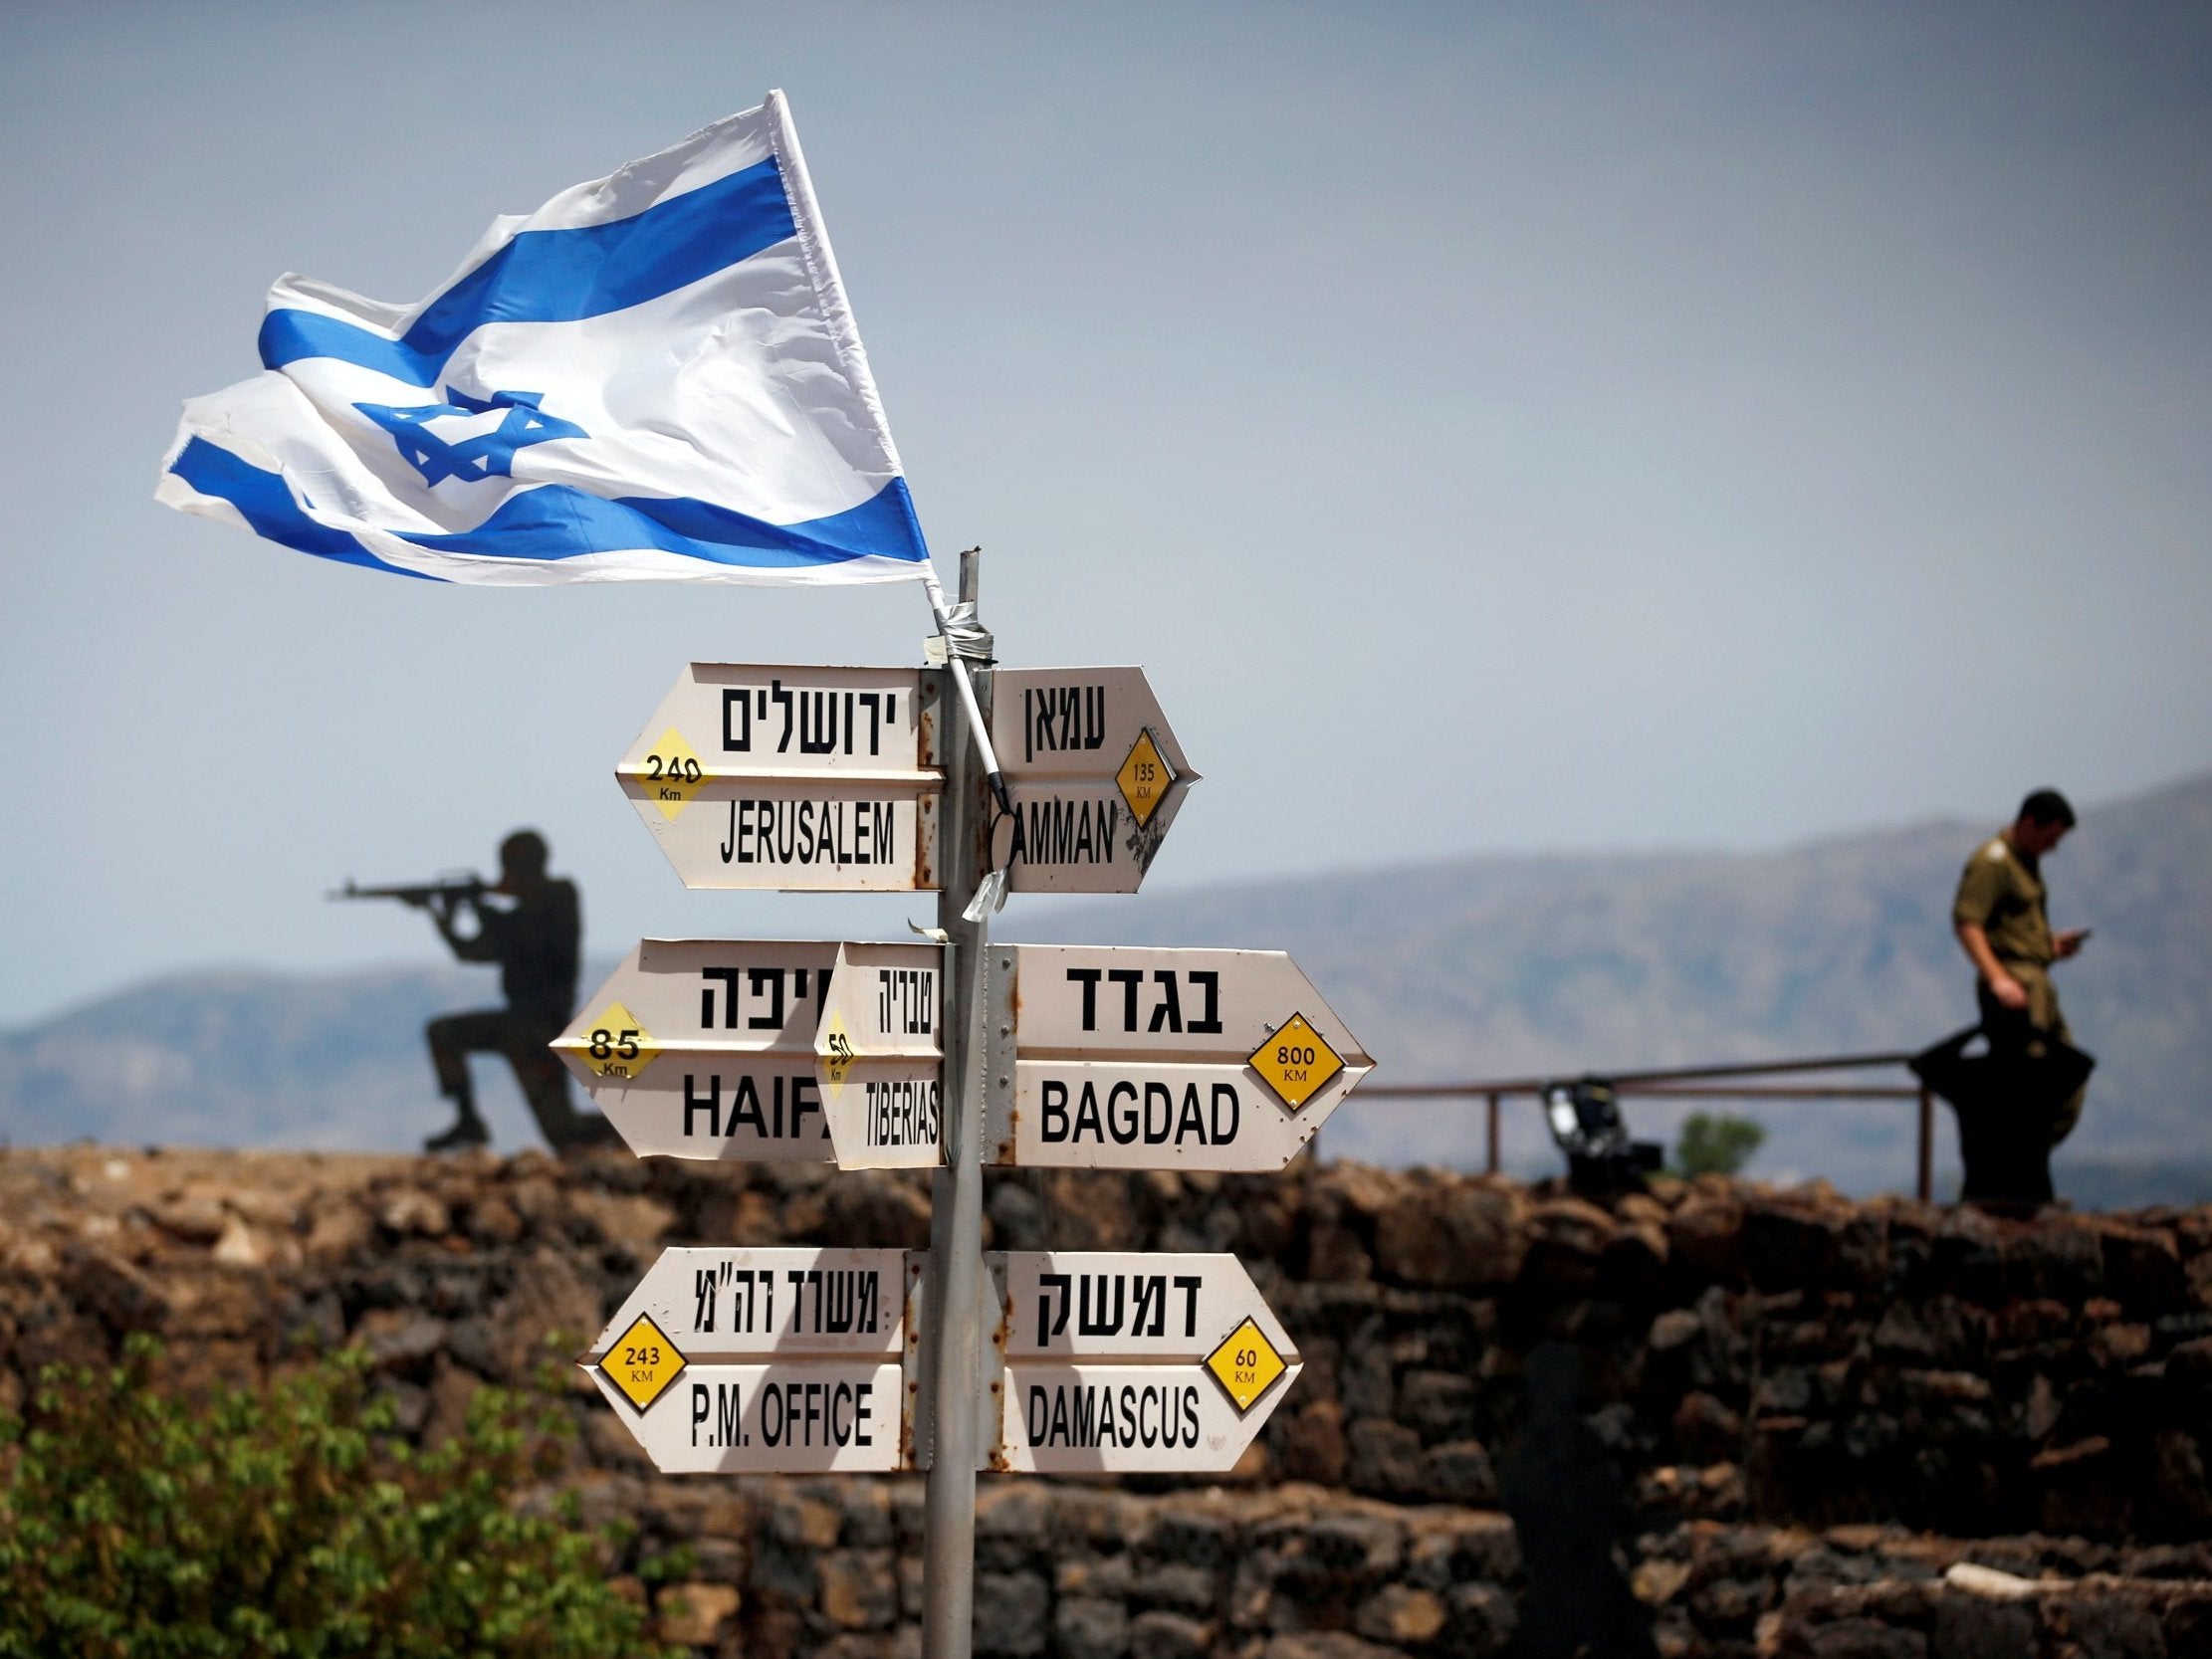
{"x": 535, "y": 940}
{"x": 2002, "y": 922}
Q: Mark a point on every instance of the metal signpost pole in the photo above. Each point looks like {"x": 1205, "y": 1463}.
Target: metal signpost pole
{"x": 953, "y": 1291}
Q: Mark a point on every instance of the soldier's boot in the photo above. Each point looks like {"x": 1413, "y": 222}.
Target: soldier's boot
{"x": 468, "y": 1129}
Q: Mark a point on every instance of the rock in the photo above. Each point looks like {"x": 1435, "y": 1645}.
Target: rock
{"x": 632, "y": 1220}
{"x": 1013, "y": 1612}
{"x": 1160, "y": 1635}
{"x": 119, "y": 1295}
{"x": 340, "y": 1232}
{"x": 1366, "y": 1381}
{"x": 1438, "y": 1406}
{"x": 1790, "y": 1243}
{"x": 2062, "y": 1258}
{"x": 1462, "y": 1234}
{"x": 1704, "y": 1237}
{"x": 490, "y": 1219}
{"x": 552, "y": 1309}
{"x": 1087, "y": 1627}
{"x": 1399, "y": 1617}
{"x": 410, "y": 1212}
{"x": 1707, "y": 1429}
{"x": 1656, "y": 1583}
{"x": 2115, "y": 1347}
{"x": 194, "y": 1218}
{"x": 2142, "y": 1267}
{"x": 1181, "y": 1586}
{"x": 1855, "y": 1638}
{"x": 693, "y": 1614}
{"x": 1386, "y": 1459}
{"x": 859, "y": 1588}
{"x": 1482, "y": 1619}
{"x": 1459, "y": 1472}
{"x": 1323, "y": 1644}
{"x": 399, "y": 1340}
{"x": 1676, "y": 1328}
{"x": 1311, "y": 1445}
{"x": 240, "y": 1245}
{"x": 1567, "y": 1239}
{"x": 1634, "y": 1265}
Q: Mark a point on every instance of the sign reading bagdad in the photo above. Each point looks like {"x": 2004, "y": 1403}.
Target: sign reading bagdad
{"x": 1156, "y": 1059}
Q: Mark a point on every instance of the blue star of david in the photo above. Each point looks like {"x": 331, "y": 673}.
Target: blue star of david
{"x": 480, "y": 454}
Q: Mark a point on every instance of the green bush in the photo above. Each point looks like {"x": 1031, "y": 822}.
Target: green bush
{"x": 288, "y": 1521}
{"x": 1716, "y": 1145}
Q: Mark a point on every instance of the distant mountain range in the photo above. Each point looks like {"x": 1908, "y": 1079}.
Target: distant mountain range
{"x": 1457, "y": 970}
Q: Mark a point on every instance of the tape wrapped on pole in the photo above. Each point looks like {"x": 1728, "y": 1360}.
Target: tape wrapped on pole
{"x": 960, "y": 629}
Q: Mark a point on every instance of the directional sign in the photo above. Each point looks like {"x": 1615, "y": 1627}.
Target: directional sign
{"x": 705, "y": 1048}
{"x": 776, "y": 1360}
{"x": 800, "y": 778}
{"x": 880, "y": 1055}
{"x": 1141, "y": 1059}
{"x": 1095, "y": 773}
{"x": 1118, "y": 1361}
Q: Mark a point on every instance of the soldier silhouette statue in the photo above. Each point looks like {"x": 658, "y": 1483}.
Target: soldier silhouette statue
{"x": 533, "y": 935}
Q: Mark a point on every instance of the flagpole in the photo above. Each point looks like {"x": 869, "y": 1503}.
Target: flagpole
{"x": 953, "y": 1293}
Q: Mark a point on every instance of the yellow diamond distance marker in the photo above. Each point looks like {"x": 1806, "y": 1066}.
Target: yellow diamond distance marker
{"x": 616, "y": 1045}
{"x": 1246, "y": 1366}
{"x": 643, "y": 1363}
{"x": 1296, "y": 1062}
{"x": 673, "y": 773}
{"x": 1144, "y": 777}
{"x": 835, "y": 1054}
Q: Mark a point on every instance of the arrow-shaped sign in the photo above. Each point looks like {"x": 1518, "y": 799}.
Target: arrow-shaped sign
{"x": 880, "y": 1055}
{"x": 1095, "y": 773}
{"x": 705, "y": 1048}
{"x": 1121, "y": 1362}
{"x": 1151, "y": 1059}
{"x": 789, "y": 1360}
{"x": 803, "y": 778}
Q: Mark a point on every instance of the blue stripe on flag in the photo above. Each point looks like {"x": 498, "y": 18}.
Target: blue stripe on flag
{"x": 559, "y": 276}
{"x": 265, "y": 504}
{"x": 555, "y": 522}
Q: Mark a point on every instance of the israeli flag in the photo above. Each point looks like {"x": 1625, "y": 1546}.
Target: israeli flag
{"x": 653, "y": 377}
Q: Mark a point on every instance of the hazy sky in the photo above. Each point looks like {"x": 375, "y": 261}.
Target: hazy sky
{"x": 1493, "y": 427}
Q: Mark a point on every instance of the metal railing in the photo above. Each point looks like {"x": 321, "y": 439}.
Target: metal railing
{"x": 1699, "y": 1083}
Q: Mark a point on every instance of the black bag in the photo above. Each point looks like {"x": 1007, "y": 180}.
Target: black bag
{"x": 2007, "y": 1098}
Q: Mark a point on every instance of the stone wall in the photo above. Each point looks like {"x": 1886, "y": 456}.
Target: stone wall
{"x": 1827, "y": 1416}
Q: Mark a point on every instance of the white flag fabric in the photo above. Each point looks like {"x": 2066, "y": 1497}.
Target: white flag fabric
{"x": 653, "y": 377}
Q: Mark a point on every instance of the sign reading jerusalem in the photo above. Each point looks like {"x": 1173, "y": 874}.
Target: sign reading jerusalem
{"x": 705, "y": 1049}
{"x": 1094, "y": 775}
{"x": 1155, "y": 1058}
{"x": 802, "y": 779}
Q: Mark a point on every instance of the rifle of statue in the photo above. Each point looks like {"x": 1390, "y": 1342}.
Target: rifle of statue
{"x": 445, "y": 891}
